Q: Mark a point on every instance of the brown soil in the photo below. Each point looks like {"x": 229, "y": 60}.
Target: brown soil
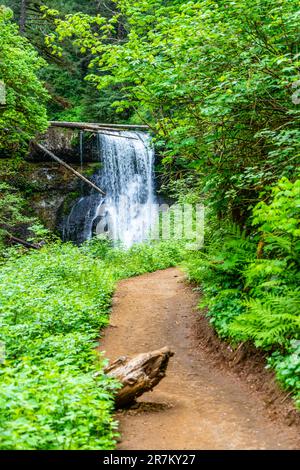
{"x": 202, "y": 403}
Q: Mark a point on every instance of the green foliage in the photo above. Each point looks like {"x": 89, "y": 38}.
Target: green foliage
{"x": 140, "y": 258}
{"x": 39, "y": 233}
{"x": 24, "y": 113}
{"x": 15, "y": 217}
{"x": 272, "y": 316}
{"x": 269, "y": 322}
{"x": 47, "y": 406}
{"x": 287, "y": 368}
{"x": 71, "y": 97}
{"x": 251, "y": 283}
{"x": 219, "y": 269}
{"x": 280, "y": 222}
{"x": 53, "y": 303}
{"x": 12, "y": 206}
{"x": 215, "y": 79}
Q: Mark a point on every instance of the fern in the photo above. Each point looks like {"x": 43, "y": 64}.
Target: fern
{"x": 251, "y": 284}
{"x": 269, "y": 322}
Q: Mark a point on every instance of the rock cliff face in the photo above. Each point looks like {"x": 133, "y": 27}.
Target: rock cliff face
{"x": 53, "y": 190}
{"x": 49, "y": 188}
{"x": 72, "y": 145}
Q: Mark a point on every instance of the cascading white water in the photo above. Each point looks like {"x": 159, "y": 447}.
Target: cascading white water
{"x": 126, "y": 213}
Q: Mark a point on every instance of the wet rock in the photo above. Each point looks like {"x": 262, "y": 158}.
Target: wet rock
{"x": 48, "y": 187}
{"x": 67, "y": 145}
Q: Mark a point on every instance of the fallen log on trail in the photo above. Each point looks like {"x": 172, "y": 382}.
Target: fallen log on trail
{"x": 68, "y": 167}
{"x": 139, "y": 374}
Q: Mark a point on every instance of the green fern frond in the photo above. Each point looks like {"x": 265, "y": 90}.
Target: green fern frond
{"x": 272, "y": 321}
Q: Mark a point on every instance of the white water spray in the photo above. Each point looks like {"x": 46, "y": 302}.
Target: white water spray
{"x": 126, "y": 213}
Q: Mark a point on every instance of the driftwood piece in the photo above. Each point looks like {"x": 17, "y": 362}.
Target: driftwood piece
{"x": 20, "y": 241}
{"x": 139, "y": 374}
{"x": 68, "y": 167}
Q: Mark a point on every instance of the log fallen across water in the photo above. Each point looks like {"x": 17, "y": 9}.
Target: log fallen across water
{"x": 97, "y": 126}
{"x": 139, "y": 374}
{"x": 68, "y": 167}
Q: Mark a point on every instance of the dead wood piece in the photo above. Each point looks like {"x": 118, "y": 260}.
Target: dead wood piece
{"x": 19, "y": 241}
{"x": 139, "y": 374}
{"x": 68, "y": 167}
{"x": 96, "y": 125}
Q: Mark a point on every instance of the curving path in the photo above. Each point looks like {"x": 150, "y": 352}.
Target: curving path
{"x": 197, "y": 406}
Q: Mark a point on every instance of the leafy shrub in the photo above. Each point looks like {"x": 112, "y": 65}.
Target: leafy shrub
{"x": 11, "y": 210}
{"x": 287, "y": 368}
{"x": 272, "y": 316}
{"x": 50, "y": 405}
{"x": 219, "y": 269}
{"x": 24, "y": 113}
{"x": 251, "y": 284}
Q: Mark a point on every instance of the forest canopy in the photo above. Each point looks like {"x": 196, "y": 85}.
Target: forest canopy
{"x": 24, "y": 114}
{"x": 216, "y": 81}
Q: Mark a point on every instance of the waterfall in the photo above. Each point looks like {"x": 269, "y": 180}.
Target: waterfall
{"x": 126, "y": 212}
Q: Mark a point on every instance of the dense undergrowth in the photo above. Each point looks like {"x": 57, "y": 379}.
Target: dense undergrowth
{"x": 53, "y": 303}
{"x": 251, "y": 282}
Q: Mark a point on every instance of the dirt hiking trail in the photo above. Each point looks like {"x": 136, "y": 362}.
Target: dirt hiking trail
{"x": 197, "y": 406}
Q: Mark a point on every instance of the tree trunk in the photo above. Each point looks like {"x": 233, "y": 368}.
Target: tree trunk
{"x": 139, "y": 374}
{"x": 23, "y": 10}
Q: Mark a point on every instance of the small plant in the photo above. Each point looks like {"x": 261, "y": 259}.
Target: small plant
{"x": 287, "y": 368}
{"x": 40, "y": 233}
